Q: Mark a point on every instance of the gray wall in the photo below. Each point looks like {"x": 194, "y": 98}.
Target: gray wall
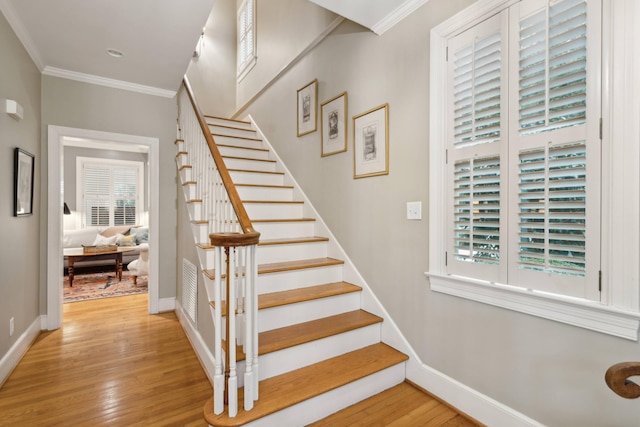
{"x": 20, "y": 237}
{"x": 549, "y": 371}
{"x": 80, "y": 105}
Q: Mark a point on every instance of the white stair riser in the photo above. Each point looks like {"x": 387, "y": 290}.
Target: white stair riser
{"x": 181, "y": 160}
{"x": 200, "y": 233}
{"x": 290, "y": 252}
{"x": 274, "y": 210}
{"x": 224, "y": 122}
{"x": 319, "y": 407}
{"x": 180, "y": 146}
{"x": 238, "y": 142}
{"x": 293, "y": 279}
{"x": 195, "y": 210}
{"x": 290, "y": 359}
{"x": 265, "y": 193}
{"x": 206, "y": 258}
{"x": 189, "y": 191}
{"x": 241, "y": 177}
{"x": 291, "y": 314}
{"x": 279, "y": 230}
{"x": 252, "y": 165}
{"x": 243, "y": 152}
{"x": 186, "y": 174}
{"x": 232, "y": 131}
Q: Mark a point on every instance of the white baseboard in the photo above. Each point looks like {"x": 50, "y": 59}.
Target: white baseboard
{"x": 467, "y": 400}
{"x": 197, "y": 343}
{"x": 19, "y": 348}
{"x": 166, "y": 304}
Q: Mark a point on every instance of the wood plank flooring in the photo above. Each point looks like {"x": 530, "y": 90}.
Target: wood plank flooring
{"x": 110, "y": 364}
{"x": 114, "y": 364}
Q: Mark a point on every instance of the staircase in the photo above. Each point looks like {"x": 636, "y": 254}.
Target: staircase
{"x": 318, "y": 350}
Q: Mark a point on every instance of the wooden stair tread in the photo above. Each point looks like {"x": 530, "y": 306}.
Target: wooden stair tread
{"x": 287, "y": 266}
{"x": 248, "y": 138}
{"x": 313, "y": 330}
{"x": 286, "y": 241}
{"x": 288, "y": 389}
{"x": 243, "y": 148}
{"x": 230, "y": 127}
{"x": 281, "y": 202}
{"x": 249, "y": 158}
{"x": 254, "y": 171}
{"x": 265, "y": 186}
{"x": 209, "y": 116}
{"x": 293, "y": 296}
{"x": 284, "y": 220}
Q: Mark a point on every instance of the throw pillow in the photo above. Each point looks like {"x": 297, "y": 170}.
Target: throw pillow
{"x": 129, "y": 240}
{"x": 104, "y": 241}
{"x": 112, "y": 231}
{"x": 141, "y": 233}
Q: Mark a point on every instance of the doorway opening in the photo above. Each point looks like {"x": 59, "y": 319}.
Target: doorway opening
{"x": 58, "y": 139}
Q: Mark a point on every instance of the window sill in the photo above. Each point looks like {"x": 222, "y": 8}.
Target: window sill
{"x": 576, "y": 312}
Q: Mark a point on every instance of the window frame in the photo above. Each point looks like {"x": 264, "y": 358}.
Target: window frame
{"x": 82, "y": 162}
{"x": 618, "y": 312}
{"x": 244, "y": 65}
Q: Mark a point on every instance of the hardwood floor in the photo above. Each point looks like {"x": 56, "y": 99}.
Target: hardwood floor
{"x": 113, "y": 364}
{"x": 110, "y": 364}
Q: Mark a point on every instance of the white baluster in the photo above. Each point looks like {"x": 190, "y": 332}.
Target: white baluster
{"x": 231, "y": 339}
{"x": 218, "y": 379}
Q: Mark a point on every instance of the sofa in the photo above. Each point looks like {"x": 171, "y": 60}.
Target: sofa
{"x": 127, "y": 236}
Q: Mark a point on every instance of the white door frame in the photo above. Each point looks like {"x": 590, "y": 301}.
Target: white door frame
{"x": 56, "y": 137}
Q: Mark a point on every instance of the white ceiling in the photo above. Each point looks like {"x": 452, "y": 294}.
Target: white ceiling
{"x": 377, "y": 15}
{"x": 70, "y": 38}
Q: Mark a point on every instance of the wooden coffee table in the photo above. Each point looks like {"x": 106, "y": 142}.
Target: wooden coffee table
{"x": 74, "y": 255}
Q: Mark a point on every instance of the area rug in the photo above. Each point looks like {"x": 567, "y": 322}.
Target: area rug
{"x": 102, "y": 285}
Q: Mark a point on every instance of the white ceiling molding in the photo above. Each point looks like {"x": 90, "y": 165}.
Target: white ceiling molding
{"x": 404, "y": 10}
{"x": 23, "y": 35}
{"x": 103, "y": 81}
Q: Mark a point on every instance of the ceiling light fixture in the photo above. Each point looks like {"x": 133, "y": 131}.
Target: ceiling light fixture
{"x": 115, "y": 53}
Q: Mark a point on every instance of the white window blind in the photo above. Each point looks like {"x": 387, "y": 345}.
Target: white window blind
{"x": 111, "y": 193}
{"x": 246, "y": 36}
{"x": 522, "y": 160}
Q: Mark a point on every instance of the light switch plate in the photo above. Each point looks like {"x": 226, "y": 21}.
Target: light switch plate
{"x": 414, "y": 210}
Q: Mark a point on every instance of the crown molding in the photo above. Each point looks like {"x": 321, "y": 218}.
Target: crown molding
{"x": 18, "y": 28}
{"x": 401, "y": 12}
{"x": 104, "y": 81}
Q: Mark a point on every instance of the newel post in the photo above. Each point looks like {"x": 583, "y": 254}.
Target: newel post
{"x": 240, "y": 296}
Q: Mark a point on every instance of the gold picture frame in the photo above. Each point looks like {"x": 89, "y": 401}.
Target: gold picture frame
{"x": 307, "y": 111}
{"x": 371, "y": 142}
{"x": 333, "y": 125}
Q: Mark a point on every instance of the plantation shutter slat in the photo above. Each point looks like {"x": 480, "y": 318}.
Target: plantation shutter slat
{"x": 97, "y": 182}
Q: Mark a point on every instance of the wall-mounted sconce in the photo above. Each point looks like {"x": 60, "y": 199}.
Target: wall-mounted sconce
{"x": 13, "y": 109}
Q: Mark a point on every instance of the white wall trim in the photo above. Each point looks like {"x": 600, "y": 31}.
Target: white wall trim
{"x": 401, "y": 12}
{"x": 166, "y": 304}
{"x": 467, "y": 400}
{"x": 11, "y": 359}
{"x": 55, "y": 140}
{"x": 104, "y": 81}
{"x": 199, "y": 346}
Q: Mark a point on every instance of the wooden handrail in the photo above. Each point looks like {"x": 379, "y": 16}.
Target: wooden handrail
{"x": 617, "y": 379}
{"x": 234, "y": 198}
{"x": 226, "y": 240}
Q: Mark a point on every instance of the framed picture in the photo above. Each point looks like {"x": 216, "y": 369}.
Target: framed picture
{"x": 307, "y": 108}
{"x": 371, "y": 142}
{"x": 333, "y": 122}
{"x": 23, "y": 183}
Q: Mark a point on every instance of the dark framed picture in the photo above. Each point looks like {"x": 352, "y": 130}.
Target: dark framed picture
{"x": 307, "y": 108}
{"x": 23, "y": 170}
{"x": 333, "y": 125}
{"x": 371, "y": 142}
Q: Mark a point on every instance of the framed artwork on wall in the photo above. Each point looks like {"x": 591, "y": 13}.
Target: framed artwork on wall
{"x": 23, "y": 183}
{"x": 307, "y": 108}
{"x": 333, "y": 125}
{"x": 371, "y": 142}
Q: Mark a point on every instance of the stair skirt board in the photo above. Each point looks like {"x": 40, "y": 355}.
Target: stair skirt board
{"x": 289, "y": 359}
{"x": 321, "y": 406}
